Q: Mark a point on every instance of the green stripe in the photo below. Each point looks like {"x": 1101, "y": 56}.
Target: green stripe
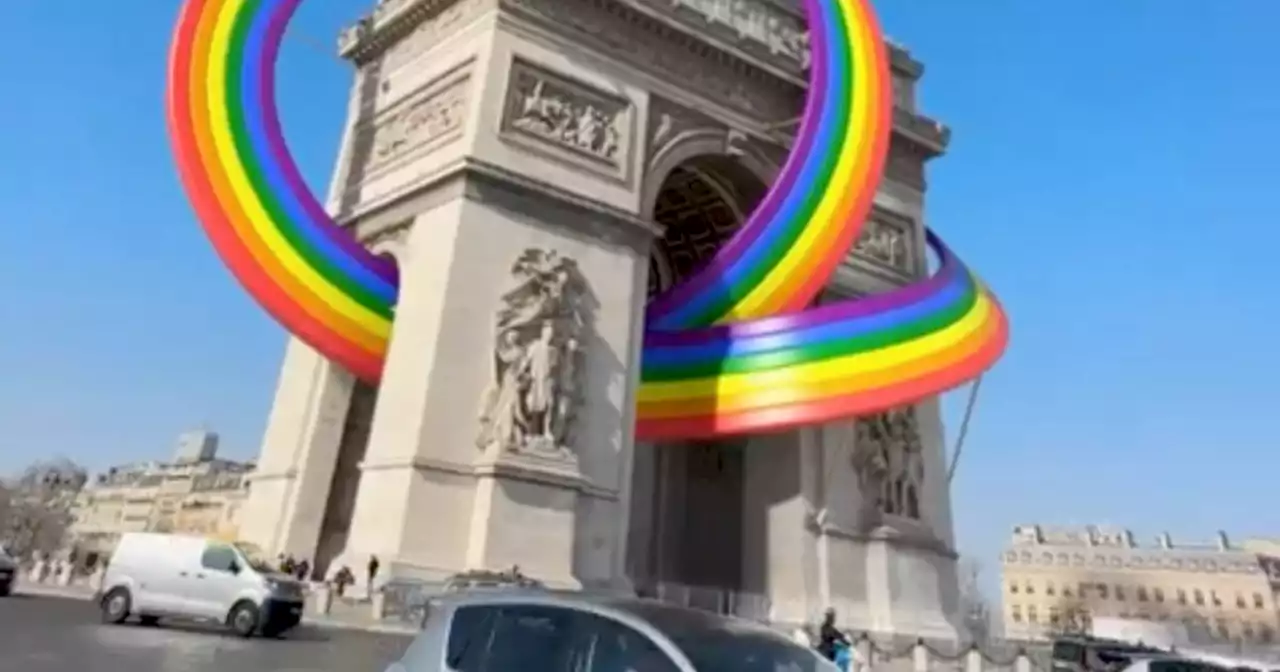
{"x": 831, "y": 349}
{"x": 244, "y": 149}
{"x": 782, "y": 244}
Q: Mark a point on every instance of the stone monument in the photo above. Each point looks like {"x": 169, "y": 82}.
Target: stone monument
{"x": 537, "y": 168}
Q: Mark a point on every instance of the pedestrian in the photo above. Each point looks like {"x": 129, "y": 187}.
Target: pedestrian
{"x": 829, "y": 636}
{"x": 373, "y": 572}
{"x": 303, "y": 570}
{"x": 343, "y": 578}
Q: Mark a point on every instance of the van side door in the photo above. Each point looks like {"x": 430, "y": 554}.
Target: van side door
{"x": 216, "y": 581}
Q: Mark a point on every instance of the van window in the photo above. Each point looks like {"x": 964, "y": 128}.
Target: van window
{"x": 1181, "y": 666}
{"x": 470, "y": 636}
{"x": 219, "y": 558}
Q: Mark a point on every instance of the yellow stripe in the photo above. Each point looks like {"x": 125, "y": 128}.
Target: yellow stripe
{"x": 822, "y": 371}
{"x": 765, "y": 298}
{"x": 220, "y": 130}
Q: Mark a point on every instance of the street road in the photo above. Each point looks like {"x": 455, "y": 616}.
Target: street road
{"x": 39, "y": 634}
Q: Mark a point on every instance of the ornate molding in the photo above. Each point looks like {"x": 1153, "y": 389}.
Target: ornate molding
{"x": 431, "y": 28}
{"x": 581, "y": 124}
{"x": 654, "y": 46}
{"x": 759, "y": 28}
{"x": 424, "y": 121}
{"x": 669, "y": 122}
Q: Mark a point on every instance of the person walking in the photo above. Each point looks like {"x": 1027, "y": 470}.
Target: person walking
{"x": 373, "y": 572}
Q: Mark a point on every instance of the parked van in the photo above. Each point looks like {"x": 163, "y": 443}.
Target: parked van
{"x": 154, "y": 576}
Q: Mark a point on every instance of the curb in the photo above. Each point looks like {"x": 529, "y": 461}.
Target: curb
{"x": 84, "y": 594}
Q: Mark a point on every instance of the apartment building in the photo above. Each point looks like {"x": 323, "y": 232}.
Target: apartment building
{"x": 193, "y": 493}
{"x": 1058, "y": 579}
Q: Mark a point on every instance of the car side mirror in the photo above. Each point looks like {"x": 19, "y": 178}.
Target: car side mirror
{"x": 234, "y": 568}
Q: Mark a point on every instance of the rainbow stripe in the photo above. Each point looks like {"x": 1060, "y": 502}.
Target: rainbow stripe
{"x": 733, "y": 349}
{"x": 303, "y": 268}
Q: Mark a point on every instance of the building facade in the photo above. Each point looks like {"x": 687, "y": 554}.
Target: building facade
{"x": 194, "y": 493}
{"x": 1057, "y": 579}
{"x": 621, "y": 141}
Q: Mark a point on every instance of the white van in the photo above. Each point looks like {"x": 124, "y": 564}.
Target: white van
{"x": 154, "y": 576}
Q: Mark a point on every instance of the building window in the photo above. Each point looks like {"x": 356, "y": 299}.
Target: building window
{"x": 1102, "y": 590}
{"x": 1265, "y": 634}
{"x": 1182, "y": 596}
{"x": 1213, "y": 594}
{"x": 1248, "y": 631}
{"x": 1084, "y": 587}
{"x": 1199, "y": 597}
{"x": 1048, "y": 588}
{"x": 1119, "y": 592}
{"x": 1240, "y": 601}
{"x": 1031, "y": 589}
{"x": 1257, "y": 601}
{"x": 1223, "y": 632}
{"x": 1013, "y": 587}
{"x": 1159, "y": 594}
{"x": 1032, "y": 616}
{"x": 1142, "y": 594}
{"x": 1054, "y": 617}
{"x": 1016, "y": 612}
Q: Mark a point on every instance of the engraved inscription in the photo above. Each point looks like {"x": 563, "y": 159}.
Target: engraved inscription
{"x": 886, "y": 243}
{"x": 567, "y": 114}
{"x": 433, "y": 118}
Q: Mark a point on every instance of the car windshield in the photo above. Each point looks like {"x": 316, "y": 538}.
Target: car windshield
{"x": 256, "y": 558}
{"x": 716, "y": 644}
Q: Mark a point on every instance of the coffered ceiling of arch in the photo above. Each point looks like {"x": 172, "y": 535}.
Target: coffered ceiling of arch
{"x": 698, "y": 215}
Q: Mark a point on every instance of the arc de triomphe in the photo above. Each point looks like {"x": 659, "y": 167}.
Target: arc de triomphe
{"x": 624, "y": 140}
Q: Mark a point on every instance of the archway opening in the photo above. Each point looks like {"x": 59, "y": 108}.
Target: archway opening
{"x": 687, "y": 539}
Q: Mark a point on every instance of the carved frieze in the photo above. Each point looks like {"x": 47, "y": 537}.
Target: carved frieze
{"x": 756, "y": 26}
{"x": 431, "y": 117}
{"x": 569, "y": 116}
{"x": 887, "y": 240}
{"x": 670, "y": 55}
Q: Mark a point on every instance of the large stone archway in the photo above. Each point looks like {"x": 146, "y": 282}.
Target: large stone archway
{"x": 626, "y": 145}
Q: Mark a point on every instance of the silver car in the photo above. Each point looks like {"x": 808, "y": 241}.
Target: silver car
{"x": 520, "y": 631}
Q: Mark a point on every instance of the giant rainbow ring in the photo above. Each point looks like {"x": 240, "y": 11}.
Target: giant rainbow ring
{"x": 735, "y": 348}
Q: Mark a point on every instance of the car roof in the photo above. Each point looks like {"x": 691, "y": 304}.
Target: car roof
{"x": 669, "y": 619}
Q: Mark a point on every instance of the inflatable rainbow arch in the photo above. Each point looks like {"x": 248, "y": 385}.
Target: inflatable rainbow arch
{"x": 736, "y": 348}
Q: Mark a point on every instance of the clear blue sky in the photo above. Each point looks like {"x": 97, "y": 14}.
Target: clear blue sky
{"x": 1108, "y": 176}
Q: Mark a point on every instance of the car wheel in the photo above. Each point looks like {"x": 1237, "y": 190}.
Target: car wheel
{"x": 116, "y": 605}
{"x": 243, "y": 619}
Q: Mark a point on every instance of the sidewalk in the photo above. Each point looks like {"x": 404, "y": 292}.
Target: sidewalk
{"x": 343, "y": 615}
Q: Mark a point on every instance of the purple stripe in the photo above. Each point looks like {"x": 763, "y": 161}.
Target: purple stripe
{"x": 761, "y": 218}
{"x": 950, "y": 267}
{"x": 284, "y": 160}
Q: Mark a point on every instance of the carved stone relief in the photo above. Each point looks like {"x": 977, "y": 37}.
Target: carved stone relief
{"x": 672, "y": 56}
{"x": 433, "y": 116}
{"x": 887, "y": 241}
{"x": 754, "y": 24}
{"x": 668, "y": 120}
{"x": 888, "y": 458}
{"x": 536, "y": 390}
{"x": 562, "y": 113}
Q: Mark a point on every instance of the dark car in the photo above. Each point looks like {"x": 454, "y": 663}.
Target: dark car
{"x": 8, "y": 573}
{"x": 515, "y": 630}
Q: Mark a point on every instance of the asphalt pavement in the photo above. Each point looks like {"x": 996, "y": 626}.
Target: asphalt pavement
{"x": 43, "y": 634}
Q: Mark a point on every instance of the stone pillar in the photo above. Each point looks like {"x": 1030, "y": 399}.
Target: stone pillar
{"x": 290, "y": 487}
{"x": 488, "y": 183}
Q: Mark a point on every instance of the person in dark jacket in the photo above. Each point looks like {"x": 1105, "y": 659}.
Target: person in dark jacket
{"x": 829, "y": 636}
